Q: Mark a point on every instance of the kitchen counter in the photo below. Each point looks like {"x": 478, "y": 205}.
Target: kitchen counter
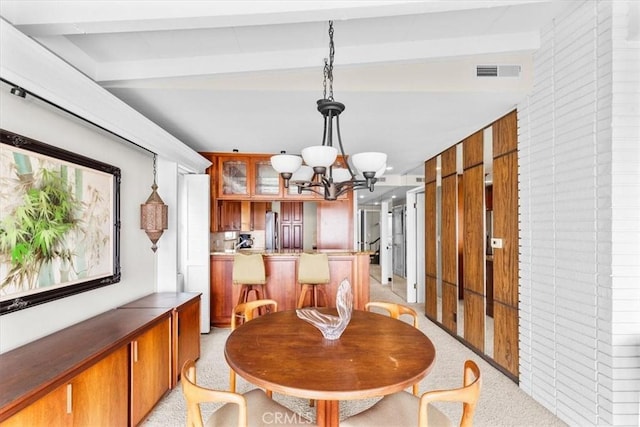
{"x": 290, "y": 252}
{"x": 281, "y": 268}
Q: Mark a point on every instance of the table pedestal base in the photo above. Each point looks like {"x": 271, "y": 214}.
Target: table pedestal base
{"x": 328, "y": 413}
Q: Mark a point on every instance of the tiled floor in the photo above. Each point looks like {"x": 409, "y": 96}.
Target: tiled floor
{"x": 398, "y": 284}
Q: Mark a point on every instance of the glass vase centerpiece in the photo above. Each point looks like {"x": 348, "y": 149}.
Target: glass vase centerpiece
{"x": 332, "y": 326}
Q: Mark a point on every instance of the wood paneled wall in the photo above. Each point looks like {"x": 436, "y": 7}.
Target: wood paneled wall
{"x": 474, "y": 240}
{"x": 449, "y": 240}
{"x": 505, "y": 226}
{"x": 462, "y": 215}
{"x": 431, "y": 291}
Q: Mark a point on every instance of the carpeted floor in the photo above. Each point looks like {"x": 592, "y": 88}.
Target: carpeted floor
{"x": 501, "y": 403}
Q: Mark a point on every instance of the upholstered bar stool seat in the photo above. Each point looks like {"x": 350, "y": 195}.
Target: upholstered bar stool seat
{"x": 249, "y": 273}
{"x": 313, "y": 274}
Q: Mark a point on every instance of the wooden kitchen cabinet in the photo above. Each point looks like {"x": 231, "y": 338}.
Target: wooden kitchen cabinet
{"x": 241, "y": 215}
{"x": 230, "y": 215}
{"x": 253, "y": 176}
{"x": 266, "y": 181}
{"x": 150, "y": 369}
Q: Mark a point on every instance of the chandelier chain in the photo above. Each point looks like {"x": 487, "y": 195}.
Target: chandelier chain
{"x": 155, "y": 168}
{"x": 328, "y": 66}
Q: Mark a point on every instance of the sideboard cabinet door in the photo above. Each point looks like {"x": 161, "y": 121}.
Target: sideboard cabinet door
{"x": 188, "y": 332}
{"x": 96, "y": 396}
{"x": 150, "y": 369}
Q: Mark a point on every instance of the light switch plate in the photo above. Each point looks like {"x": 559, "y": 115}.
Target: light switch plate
{"x": 496, "y": 243}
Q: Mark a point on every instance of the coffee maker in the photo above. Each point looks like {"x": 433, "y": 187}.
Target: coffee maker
{"x": 244, "y": 241}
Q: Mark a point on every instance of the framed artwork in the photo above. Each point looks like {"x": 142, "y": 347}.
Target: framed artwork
{"x": 59, "y": 223}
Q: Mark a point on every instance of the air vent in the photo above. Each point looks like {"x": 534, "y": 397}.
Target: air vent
{"x": 420, "y": 179}
{"x": 382, "y": 179}
{"x": 498, "y": 70}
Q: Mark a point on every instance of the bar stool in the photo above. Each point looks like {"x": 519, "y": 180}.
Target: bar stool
{"x": 313, "y": 273}
{"x": 249, "y": 272}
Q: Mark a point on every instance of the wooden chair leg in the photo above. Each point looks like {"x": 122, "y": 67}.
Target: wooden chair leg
{"x": 324, "y": 295}
{"x": 303, "y": 294}
{"x": 232, "y": 381}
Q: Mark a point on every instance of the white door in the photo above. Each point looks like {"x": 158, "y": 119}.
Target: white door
{"x": 195, "y": 241}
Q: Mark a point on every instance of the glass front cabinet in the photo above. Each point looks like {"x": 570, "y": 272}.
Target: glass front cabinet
{"x": 247, "y": 176}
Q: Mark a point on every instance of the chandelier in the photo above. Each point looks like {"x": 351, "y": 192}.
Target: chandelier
{"x": 319, "y": 174}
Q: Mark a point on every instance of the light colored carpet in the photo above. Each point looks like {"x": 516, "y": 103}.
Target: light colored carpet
{"x": 501, "y": 403}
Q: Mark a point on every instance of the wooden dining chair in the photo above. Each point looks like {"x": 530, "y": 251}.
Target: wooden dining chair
{"x": 408, "y": 410}
{"x": 246, "y": 312}
{"x": 242, "y": 410}
{"x": 395, "y": 311}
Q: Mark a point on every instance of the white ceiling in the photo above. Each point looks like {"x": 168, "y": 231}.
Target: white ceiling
{"x": 224, "y": 75}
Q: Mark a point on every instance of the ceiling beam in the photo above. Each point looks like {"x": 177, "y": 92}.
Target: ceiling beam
{"x": 312, "y": 58}
{"x": 48, "y": 18}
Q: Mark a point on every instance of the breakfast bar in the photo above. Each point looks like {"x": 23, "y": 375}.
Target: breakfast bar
{"x": 282, "y": 285}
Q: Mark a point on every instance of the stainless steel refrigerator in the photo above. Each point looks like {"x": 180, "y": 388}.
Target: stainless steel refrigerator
{"x": 271, "y": 231}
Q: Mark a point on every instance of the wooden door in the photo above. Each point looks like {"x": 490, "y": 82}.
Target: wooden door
{"x": 150, "y": 369}
{"x": 291, "y": 225}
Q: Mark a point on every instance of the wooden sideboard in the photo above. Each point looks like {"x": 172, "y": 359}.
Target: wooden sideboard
{"x": 185, "y": 314}
{"x": 111, "y": 369}
{"x": 282, "y": 286}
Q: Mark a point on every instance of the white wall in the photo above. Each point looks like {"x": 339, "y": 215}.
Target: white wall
{"x": 34, "y": 119}
{"x": 27, "y": 64}
{"x": 579, "y": 153}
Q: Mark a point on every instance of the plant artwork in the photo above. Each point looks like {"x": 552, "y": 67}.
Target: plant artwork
{"x": 59, "y": 223}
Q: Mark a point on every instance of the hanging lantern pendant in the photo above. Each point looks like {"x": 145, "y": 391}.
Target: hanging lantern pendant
{"x": 154, "y": 213}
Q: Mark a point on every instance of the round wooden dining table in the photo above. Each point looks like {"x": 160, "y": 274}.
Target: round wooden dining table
{"x": 375, "y": 356}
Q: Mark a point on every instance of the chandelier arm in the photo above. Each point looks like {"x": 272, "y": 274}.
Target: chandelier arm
{"x": 324, "y": 134}
{"x": 309, "y": 186}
